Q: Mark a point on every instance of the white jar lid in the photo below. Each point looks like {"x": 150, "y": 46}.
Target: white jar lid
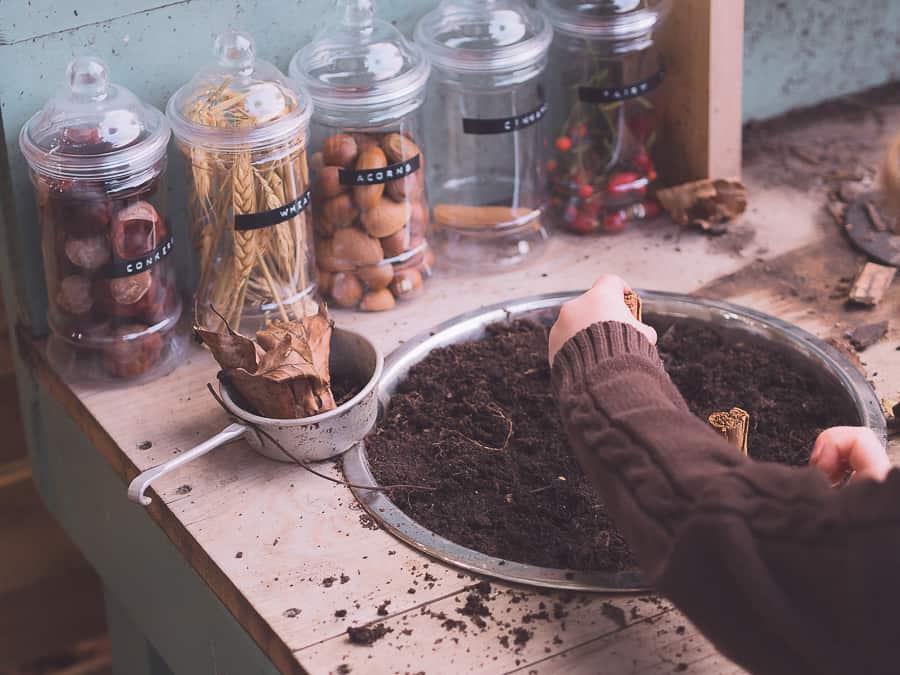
{"x": 93, "y": 129}
{"x": 239, "y": 102}
{"x": 606, "y": 19}
{"x": 484, "y": 36}
{"x": 360, "y": 63}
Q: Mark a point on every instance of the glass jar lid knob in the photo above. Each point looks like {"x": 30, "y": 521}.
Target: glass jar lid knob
{"x": 359, "y": 14}
{"x": 88, "y": 78}
{"x": 235, "y": 51}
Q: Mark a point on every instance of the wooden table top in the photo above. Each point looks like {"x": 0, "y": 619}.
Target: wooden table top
{"x": 267, "y": 537}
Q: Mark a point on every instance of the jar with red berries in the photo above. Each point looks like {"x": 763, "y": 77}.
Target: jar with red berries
{"x": 609, "y": 78}
{"x": 97, "y": 156}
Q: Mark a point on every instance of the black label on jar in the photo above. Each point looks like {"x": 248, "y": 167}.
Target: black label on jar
{"x": 503, "y": 125}
{"x": 127, "y": 268}
{"x": 380, "y": 175}
{"x": 257, "y": 221}
{"x": 623, "y": 93}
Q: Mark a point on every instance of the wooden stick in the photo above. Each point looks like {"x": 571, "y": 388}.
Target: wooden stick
{"x": 634, "y": 304}
{"x": 875, "y": 217}
{"x": 871, "y": 284}
{"x": 734, "y": 425}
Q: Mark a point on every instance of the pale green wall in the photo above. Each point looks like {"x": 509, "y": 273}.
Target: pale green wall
{"x": 800, "y": 52}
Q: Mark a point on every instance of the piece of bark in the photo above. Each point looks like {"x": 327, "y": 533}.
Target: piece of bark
{"x": 734, "y": 425}
{"x": 871, "y": 284}
{"x": 838, "y": 211}
{"x": 633, "y": 301}
{"x": 707, "y": 204}
{"x": 874, "y": 217}
{"x": 867, "y": 335}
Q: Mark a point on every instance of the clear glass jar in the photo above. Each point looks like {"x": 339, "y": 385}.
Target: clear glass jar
{"x": 609, "y": 74}
{"x": 485, "y": 109}
{"x": 242, "y": 125}
{"x": 370, "y": 204}
{"x": 97, "y": 156}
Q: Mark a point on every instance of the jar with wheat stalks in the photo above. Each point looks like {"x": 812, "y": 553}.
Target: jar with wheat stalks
{"x": 242, "y": 126}
{"x": 367, "y": 83}
{"x": 97, "y": 155}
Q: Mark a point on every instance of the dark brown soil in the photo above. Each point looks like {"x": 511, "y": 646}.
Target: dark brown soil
{"x": 478, "y": 422}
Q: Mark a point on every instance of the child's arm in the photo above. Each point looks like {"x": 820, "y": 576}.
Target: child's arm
{"x": 784, "y": 574}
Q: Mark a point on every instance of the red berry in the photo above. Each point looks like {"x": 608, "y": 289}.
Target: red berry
{"x": 625, "y": 182}
{"x": 551, "y": 165}
{"x": 583, "y": 224}
{"x": 651, "y": 174}
{"x": 585, "y": 191}
{"x": 615, "y": 222}
{"x": 580, "y": 130}
{"x": 651, "y": 208}
{"x": 594, "y": 207}
{"x": 643, "y": 162}
{"x": 563, "y": 143}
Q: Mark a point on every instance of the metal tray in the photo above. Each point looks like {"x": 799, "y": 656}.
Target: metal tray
{"x": 659, "y": 309}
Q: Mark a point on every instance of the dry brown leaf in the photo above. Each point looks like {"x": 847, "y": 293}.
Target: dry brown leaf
{"x": 231, "y": 350}
{"x": 707, "y": 204}
{"x": 288, "y": 376}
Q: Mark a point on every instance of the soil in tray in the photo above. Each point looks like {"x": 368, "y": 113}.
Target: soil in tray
{"x": 478, "y": 421}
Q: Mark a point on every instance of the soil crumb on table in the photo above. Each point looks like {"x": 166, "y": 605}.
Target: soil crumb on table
{"x": 367, "y": 635}
{"x": 478, "y": 422}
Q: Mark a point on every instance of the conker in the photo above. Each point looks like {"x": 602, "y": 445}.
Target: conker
{"x": 128, "y": 290}
{"x": 74, "y": 295}
{"x": 90, "y": 253}
{"x": 136, "y": 230}
{"x": 133, "y": 354}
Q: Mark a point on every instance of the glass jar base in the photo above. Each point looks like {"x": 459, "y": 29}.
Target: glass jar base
{"x": 490, "y": 250}
{"x": 111, "y": 367}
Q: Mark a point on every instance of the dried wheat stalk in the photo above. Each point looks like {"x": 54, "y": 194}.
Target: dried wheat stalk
{"x": 268, "y": 268}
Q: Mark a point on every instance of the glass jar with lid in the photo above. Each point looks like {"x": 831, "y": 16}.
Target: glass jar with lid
{"x": 371, "y": 214}
{"x": 242, "y": 126}
{"x": 97, "y": 155}
{"x": 485, "y": 112}
{"x": 609, "y": 76}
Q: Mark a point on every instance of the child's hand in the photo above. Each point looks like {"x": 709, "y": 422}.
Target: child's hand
{"x": 841, "y": 449}
{"x": 604, "y": 302}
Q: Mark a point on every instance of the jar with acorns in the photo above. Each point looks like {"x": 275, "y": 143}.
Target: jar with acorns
{"x": 242, "y": 126}
{"x": 608, "y": 82}
{"x": 97, "y": 155}
{"x": 370, "y": 209}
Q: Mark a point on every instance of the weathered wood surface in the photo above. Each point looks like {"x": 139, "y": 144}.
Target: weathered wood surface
{"x": 264, "y": 536}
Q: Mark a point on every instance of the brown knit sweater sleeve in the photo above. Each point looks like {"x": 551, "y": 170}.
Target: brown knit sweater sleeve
{"x": 781, "y": 572}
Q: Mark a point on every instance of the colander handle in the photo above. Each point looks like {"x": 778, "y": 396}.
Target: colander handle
{"x": 139, "y": 485}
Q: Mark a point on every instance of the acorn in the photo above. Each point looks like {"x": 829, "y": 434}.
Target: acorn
{"x": 340, "y": 150}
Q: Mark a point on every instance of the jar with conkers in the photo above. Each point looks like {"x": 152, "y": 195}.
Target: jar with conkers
{"x": 97, "y": 155}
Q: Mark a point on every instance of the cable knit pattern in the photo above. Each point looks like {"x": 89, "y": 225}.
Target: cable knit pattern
{"x": 783, "y": 573}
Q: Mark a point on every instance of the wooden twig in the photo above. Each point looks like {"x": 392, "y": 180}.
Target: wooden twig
{"x": 633, "y": 301}
{"x": 871, "y": 284}
{"x": 734, "y": 425}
